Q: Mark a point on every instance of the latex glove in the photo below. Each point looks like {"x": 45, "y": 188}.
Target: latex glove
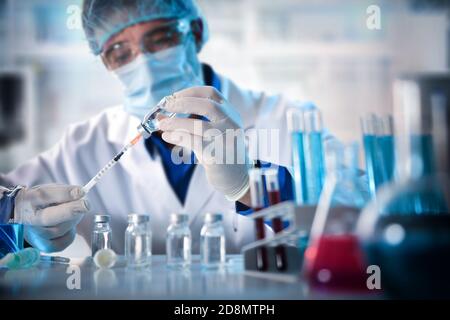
{"x": 50, "y": 214}
{"x": 218, "y": 142}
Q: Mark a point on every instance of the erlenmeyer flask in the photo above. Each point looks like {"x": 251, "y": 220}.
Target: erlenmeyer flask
{"x": 406, "y": 231}
{"x": 334, "y": 259}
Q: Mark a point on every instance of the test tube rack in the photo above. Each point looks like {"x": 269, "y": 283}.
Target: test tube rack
{"x": 293, "y": 239}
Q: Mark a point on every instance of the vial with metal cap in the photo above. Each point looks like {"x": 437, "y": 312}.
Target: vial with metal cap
{"x": 150, "y": 123}
{"x": 212, "y": 241}
{"x": 138, "y": 241}
{"x": 101, "y": 234}
{"x": 178, "y": 241}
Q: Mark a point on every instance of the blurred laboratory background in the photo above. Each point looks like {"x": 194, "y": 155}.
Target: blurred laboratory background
{"x": 317, "y": 50}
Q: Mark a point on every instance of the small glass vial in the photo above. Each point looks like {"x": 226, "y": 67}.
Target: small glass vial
{"x": 212, "y": 241}
{"x": 178, "y": 241}
{"x": 152, "y": 119}
{"x": 138, "y": 241}
{"x": 101, "y": 235}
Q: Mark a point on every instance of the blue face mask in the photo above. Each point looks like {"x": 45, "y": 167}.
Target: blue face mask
{"x": 152, "y": 76}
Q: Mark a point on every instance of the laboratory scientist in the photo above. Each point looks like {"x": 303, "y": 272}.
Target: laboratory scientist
{"x": 152, "y": 47}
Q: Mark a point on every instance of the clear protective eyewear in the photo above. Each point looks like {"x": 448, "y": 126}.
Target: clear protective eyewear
{"x": 163, "y": 37}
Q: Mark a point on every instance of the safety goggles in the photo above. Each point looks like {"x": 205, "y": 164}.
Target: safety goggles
{"x": 163, "y": 37}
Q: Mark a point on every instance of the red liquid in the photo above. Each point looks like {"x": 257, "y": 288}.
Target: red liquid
{"x": 277, "y": 225}
{"x": 274, "y": 197}
{"x": 260, "y": 232}
{"x": 261, "y": 253}
{"x": 336, "y": 262}
{"x": 280, "y": 253}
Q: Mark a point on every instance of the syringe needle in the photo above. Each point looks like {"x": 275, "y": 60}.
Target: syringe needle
{"x": 109, "y": 165}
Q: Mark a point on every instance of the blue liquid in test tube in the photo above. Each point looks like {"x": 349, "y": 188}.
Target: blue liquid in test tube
{"x": 379, "y": 160}
{"x": 307, "y": 154}
{"x": 298, "y": 161}
{"x": 386, "y": 143}
{"x": 314, "y": 166}
{"x": 378, "y": 144}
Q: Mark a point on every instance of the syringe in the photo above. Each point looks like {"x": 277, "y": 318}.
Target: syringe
{"x": 146, "y": 128}
{"x": 110, "y": 164}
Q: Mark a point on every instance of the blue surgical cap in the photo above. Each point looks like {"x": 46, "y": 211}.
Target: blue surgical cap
{"x": 104, "y": 18}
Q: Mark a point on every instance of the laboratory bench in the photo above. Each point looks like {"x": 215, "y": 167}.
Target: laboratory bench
{"x": 50, "y": 280}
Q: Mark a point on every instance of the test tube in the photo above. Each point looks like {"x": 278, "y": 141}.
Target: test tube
{"x": 257, "y": 202}
{"x": 314, "y": 155}
{"x": 273, "y": 192}
{"x": 378, "y": 144}
{"x": 256, "y": 188}
{"x": 295, "y": 121}
{"x": 386, "y": 142}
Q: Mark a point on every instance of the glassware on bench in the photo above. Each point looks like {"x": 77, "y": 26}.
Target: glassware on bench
{"x": 334, "y": 259}
{"x": 406, "y": 231}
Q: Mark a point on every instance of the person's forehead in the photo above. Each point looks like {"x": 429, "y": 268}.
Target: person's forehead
{"x": 135, "y": 31}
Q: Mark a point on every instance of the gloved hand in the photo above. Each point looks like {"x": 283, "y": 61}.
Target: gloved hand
{"x": 50, "y": 214}
{"x": 218, "y": 142}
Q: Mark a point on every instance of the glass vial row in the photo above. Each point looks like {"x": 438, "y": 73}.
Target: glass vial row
{"x": 212, "y": 242}
{"x": 138, "y": 240}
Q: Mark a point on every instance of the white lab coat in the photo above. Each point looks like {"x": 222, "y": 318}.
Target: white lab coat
{"x": 138, "y": 183}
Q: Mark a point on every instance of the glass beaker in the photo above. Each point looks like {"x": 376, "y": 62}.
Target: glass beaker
{"x": 406, "y": 231}
{"x": 334, "y": 259}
